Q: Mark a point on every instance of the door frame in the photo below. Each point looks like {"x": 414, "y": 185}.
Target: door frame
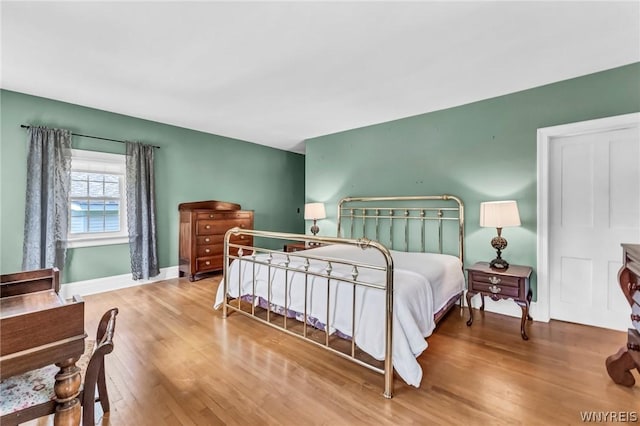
{"x": 545, "y": 137}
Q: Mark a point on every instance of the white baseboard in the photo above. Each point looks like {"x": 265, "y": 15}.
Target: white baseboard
{"x": 507, "y": 307}
{"x": 116, "y": 282}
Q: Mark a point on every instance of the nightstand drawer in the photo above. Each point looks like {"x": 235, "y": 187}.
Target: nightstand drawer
{"x": 490, "y": 279}
{"x": 497, "y": 289}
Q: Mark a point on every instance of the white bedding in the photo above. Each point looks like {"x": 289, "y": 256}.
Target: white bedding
{"x": 423, "y": 283}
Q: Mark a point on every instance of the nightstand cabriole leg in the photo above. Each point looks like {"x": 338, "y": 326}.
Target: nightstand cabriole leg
{"x": 469, "y": 296}
{"x": 524, "y": 305}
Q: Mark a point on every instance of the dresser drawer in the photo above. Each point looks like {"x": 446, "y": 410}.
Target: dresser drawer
{"x": 204, "y": 240}
{"x": 209, "y": 263}
{"x": 246, "y": 240}
{"x": 209, "y": 239}
{"x": 209, "y": 250}
{"x": 217, "y": 215}
{"x": 218, "y": 249}
{"x": 490, "y": 279}
{"x": 219, "y": 227}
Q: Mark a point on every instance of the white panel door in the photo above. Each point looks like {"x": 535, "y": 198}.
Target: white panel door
{"x": 594, "y": 206}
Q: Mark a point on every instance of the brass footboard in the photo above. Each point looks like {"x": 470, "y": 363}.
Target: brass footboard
{"x": 312, "y": 267}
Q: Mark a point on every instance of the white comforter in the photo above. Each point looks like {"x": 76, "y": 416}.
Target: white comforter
{"x": 423, "y": 282}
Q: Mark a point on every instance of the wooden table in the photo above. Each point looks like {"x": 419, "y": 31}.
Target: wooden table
{"x": 39, "y": 328}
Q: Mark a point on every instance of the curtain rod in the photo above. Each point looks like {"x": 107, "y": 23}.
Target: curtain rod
{"x": 24, "y": 126}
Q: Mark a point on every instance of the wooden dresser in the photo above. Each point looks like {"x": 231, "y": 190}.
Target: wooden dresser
{"x": 202, "y": 228}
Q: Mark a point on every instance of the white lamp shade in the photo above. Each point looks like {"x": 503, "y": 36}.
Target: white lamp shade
{"x": 499, "y": 214}
{"x": 314, "y": 211}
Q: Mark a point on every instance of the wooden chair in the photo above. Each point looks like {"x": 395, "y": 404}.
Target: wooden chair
{"x": 31, "y": 395}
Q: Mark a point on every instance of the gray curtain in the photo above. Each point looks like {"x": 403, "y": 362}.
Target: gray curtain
{"x": 47, "y": 200}
{"x": 141, "y": 211}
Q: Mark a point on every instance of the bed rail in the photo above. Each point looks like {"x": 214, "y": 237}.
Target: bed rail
{"x": 323, "y": 268}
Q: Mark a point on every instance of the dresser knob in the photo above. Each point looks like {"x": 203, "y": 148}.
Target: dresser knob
{"x": 207, "y": 263}
{"x": 207, "y": 250}
{"x": 495, "y": 280}
{"x": 495, "y": 289}
{"x": 242, "y": 237}
{"x": 206, "y": 240}
{"x": 211, "y": 216}
{"x": 207, "y": 227}
{"x": 241, "y": 226}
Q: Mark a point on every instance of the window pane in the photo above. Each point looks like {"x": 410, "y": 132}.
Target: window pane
{"x": 96, "y": 205}
{"x": 96, "y": 216}
{"x": 96, "y": 189}
{"x": 79, "y": 205}
{"x": 112, "y": 216}
{"x": 79, "y": 185}
{"x": 111, "y": 178}
{"x": 78, "y": 219}
{"x": 112, "y": 189}
{"x": 79, "y": 175}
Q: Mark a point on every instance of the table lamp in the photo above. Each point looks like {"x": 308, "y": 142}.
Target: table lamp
{"x": 314, "y": 211}
{"x": 499, "y": 214}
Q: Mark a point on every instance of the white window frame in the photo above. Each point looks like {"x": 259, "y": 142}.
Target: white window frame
{"x": 100, "y": 162}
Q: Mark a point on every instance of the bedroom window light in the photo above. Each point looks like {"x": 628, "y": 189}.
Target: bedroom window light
{"x": 97, "y": 199}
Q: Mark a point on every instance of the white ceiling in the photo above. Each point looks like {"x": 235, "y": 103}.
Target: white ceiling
{"x": 277, "y": 73}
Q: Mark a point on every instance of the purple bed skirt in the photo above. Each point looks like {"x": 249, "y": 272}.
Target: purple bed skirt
{"x": 299, "y": 316}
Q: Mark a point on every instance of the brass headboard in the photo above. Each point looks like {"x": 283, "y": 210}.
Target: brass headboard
{"x": 412, "y": 219}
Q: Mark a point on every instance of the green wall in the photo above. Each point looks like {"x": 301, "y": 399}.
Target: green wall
{"x": 480, "y": 152}
{"x": 190, "y": 166}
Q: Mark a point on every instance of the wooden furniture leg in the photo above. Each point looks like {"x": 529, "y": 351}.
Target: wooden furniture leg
{"x": 620, "y": 364}
{"x": 524, "y": 305}
{"x": 469, "y": 296}
{"x": 67, "y": 389}
{"x": 619, "y": 367}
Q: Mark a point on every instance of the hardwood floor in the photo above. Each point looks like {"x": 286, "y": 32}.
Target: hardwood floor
{"x": 177, "y": 362}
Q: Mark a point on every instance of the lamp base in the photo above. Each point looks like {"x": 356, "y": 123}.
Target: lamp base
{"x": 315, "y": 228}
{"x": 499, "y": 243}
{"x": 499, "y": 263}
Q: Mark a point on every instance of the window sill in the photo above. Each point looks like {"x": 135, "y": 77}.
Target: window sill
{"x": 94, "y": 242}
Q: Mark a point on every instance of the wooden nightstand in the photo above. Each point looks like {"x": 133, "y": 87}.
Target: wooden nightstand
{"x": 498, "y": 284}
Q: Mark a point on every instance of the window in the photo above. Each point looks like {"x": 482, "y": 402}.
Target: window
{"x": 97, "y": 203}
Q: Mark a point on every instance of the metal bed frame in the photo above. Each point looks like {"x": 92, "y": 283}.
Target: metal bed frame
{"x": 356, "y": 215}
